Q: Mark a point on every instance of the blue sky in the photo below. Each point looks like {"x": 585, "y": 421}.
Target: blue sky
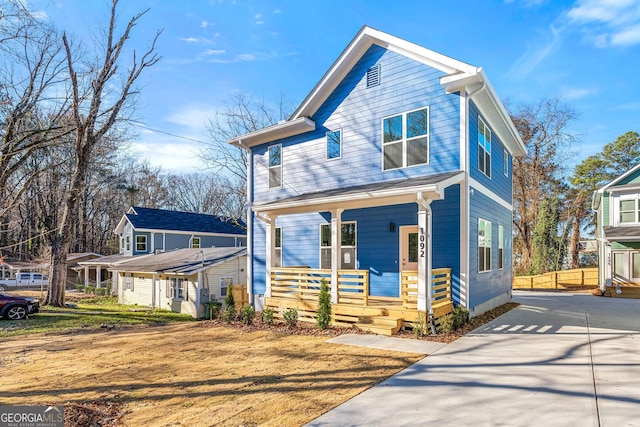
{"x": 585, "y": 51}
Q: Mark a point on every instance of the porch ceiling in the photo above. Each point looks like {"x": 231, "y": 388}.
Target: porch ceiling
{"x": 622, "y": 234}
{"x": 364, "y": 196}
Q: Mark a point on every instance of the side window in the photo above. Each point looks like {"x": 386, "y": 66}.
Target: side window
{"x": 484, "y": 148}
{"x": 278, "y": 247}
{"x": 275, "y": 166}
{"x": 141, "y": 243}
{"x": 500, "y": 247}
{"x": 506, "y": 163}
{"x": 195, "y": 242}
{"x": 127, "y": 245}
{"x": 225, "y": 282}
{"x": 484, "y": 245}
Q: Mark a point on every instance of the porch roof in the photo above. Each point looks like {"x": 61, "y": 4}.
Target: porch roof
{"x": 622, "y": 234}
{"x": 363, "y": 196}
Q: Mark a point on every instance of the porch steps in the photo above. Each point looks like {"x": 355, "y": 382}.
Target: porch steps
{"x": 381, "y": 325}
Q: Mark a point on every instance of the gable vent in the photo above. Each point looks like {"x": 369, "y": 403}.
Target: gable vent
{"x": 373, "y": 76}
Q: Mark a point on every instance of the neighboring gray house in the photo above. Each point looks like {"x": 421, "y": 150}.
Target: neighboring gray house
{"x": 182, "y": 280}
{"x": 145, "y": 230}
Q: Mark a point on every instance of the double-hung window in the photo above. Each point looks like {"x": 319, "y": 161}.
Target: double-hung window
{"x": 334, "y": 144}
{"x": 141, "y": 243}
{"x": 484, "y": 148}
{"x": 405, "y": 140}
{"x": 195, "y": 242}
{"x": 629, "y": 211}
{"x": 127, "y": 245}
{"x": 347, "y": 248}
{"x": 275, "y": 166}
{"x": 505, "y": 167}
{"x": 225, "y": 283}
{"x": 175, "y": 288}
{"x": 484, "y": 245}
{"x": 128, "y": 282}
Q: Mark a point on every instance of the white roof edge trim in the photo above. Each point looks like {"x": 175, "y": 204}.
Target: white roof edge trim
{"x": 365, "y": 38}
{"x": 278, "y": 131}
{"x": 618, "y": 179}
{"x": 189, "y": 233}
{"x": 437, "y": 188}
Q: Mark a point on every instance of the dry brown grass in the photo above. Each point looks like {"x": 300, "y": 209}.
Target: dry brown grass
{"x": 186, "y": 374}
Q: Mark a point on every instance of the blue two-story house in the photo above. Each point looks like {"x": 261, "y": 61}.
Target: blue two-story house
{"x": 396, "y": 164}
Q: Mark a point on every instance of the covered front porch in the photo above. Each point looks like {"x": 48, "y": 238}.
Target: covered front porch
{"x": 299, "y": 288}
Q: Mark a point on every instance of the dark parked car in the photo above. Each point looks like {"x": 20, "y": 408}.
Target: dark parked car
{"x": 15, "y": 308}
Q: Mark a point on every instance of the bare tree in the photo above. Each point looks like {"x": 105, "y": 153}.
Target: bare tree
{"x": 93, "y": 116}
{"x": 206, "y": 193}
{"x": 544, "y": 128}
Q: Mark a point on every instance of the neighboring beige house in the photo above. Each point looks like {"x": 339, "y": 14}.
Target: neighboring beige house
{"x": 182, "y": 280}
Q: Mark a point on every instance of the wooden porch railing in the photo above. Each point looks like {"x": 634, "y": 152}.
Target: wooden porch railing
{"x": 304, "y": 284}
{"x": 440, "y": 285}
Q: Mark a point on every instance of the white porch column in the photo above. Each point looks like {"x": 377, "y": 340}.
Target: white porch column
{"x": 424, "y": 256}
{"x": 336, "y": 243}
{"x": 86, "y": 275}
{"x": 271, "y": 251}
{"x": 98, "y": 277}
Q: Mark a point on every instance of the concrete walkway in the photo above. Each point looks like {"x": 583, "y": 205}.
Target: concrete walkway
{"x": 557, "y": 360}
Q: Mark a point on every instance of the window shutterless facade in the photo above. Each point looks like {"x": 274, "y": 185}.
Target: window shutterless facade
{"x": 334, "y": 144}
{"x": 275, "y": 166}
{"x": 500, "y": 247}
{"x": 629, "y": 211}
{"x": 506, "y": 163}
{"x": 484, "y": 148}
{"x": 225, "y": 282}
{"x": 484, "y": 245}
{"x": 127, "y": 244}
{"x": 347, "y": 248}
{"x": 141, "y": 243}
{"x": 405, "y": 139}
{"x": 195, "y": 242}
{"x": 128, "y": 283}
{"x": 176, "y": 288}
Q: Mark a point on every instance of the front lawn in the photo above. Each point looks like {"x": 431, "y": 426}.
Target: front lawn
{"x": 89, "y": 313}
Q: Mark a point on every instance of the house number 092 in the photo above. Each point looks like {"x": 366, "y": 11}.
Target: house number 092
{"x": 422, "y": 246}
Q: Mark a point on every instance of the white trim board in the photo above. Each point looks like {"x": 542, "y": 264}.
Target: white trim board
{"x": 475, "y": 185}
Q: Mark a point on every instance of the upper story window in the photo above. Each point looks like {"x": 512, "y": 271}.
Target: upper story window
{"x": 275, "y": 166}
{"x": 506, "y": 163}
{"x": 141, "y": 243}
{"x": 484, "y": 148}
{"x": 405, "y": 139}
{"x": 334, "y": 144}
{"x": 195, "y": 242}
{"x": 629, "y": 211}
{"x": 484, "y": 245}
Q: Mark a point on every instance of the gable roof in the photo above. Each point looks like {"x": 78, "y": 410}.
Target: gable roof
{"x": 597, "y": 195}
{"x": 148, "y": 219}
{"x": 181, "y": 261}
{"x": 460, "y": 76}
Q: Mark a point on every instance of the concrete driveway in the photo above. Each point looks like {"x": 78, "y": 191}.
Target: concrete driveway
{"x": 557, "y": 360}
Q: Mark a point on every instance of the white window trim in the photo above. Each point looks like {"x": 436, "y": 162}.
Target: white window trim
{"x": 269, "y": 167}
{"x": 127, "y": 284}
{"x": 233, "y": 281}
{"x": 127, "y": 244}
{"x": 355, "y": 248}
{"x": 326, "y": 136}
{"x": 145, "y": 243}
{"x": 489, "y": 246}
{"x": 173, "y": 290}
{"x": 615, "y": 205}
{"x": 199, "y": 242}
{"x": 506, "y": 163}
{"x": 490, "y": 144}
{"x": 278, "y": 247}
{"x": 403, "y": 141}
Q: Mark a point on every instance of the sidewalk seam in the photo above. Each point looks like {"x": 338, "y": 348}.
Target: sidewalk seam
{"x": 593, "y": 369}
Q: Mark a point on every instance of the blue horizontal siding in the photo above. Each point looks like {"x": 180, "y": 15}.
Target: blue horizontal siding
{"x": 405, "y": 85}
{"x": 487, "y": 285}
{"x": 446, "y": 236}
{"x": 498, "y": 183}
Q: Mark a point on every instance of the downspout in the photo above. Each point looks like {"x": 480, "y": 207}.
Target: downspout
{"x": 466, "y": 192}
{"x": 426, "y": 205}
{"x": 249, "y": 224}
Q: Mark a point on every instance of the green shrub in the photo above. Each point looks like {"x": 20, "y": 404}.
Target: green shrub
{"x": 446, "y": 323}
{"x": 229, "y": 313}
{"x": 79, "y": 287}
{"x": 267, "y": 316}
{"x": 90, "y": 290}
{"x": 460, "y": 317}
{"x": 228, "y": 300}
{"x": 421, "y": 325}
{"x": 324, "y": 306}
{"x": 101, "y": 291}
{"x": 247, "y": 314}
{"x": 215, "y": 308}
{"x": 291, "y": 317}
